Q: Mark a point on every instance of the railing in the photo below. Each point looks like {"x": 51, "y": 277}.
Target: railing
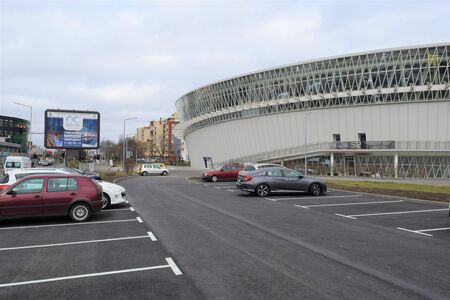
{"x": 286, "y": 153}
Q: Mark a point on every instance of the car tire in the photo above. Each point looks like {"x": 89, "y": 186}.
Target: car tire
{"x": 262, "y": 190}
{"x": 214, "y": 178}
{"x": 164, "y": 173}
{"x": 106, "y": 201}
{"x": 144, "y": 173}
{"x": 80, "y": 212}
{"x": 315, "y": 189}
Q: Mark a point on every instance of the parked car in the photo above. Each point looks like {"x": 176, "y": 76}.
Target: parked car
{"x": 112, "y": 193}
{"x": 265, "y": 181}
{"x": 46, "y": 162}
{"x": 57, "y": 194}
{"x": 249, "y": 167}
{"x": 155, "y": 168}
{"x": 227, "y": 172}
{"x": 87, "y": 173}
{"x": 16, "y": 162}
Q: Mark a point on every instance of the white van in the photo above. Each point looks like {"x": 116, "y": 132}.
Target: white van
{"x": 16, "y": 162}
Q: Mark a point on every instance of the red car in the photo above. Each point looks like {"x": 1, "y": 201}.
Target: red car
{"x": 74, "y": 195}
{"x": 227, "y": 172}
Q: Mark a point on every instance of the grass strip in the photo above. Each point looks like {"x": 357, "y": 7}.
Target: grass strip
{"x": 410, "y": 190}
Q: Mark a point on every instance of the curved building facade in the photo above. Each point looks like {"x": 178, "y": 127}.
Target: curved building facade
{"x": 380, "y": 113}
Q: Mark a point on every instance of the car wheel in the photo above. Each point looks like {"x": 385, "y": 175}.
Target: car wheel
{"x": 214, "y": 178}
{"x": 262, "y": 190}
{"x": 80, "y": 212}
{"x": 164, "y": 173}
{"x": 144, "y": 173}
{"x": 106, "y": 201}
{"x": 315, "y": 189}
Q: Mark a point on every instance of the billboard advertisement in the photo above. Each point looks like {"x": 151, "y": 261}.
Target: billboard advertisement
{"x": 71, "y": 129}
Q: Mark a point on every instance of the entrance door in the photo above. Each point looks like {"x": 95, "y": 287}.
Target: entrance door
{"x": 350, "y": 166}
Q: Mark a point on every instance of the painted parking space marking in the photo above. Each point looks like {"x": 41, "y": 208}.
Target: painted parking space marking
{"x": 126, "y": 201}
{"x": 414, "y": 231}
{"x": 423, "y": 231}
{"x": 131, "y": 208}
{"x": 139, "y": 219}
{"x": 317, "y": 197}
{"x": 233, "y": 190}
{"x": 344, "y": 216}
{"x": 173, "y": 266}
{"x": 116, "y": 209}
{"x": 170, "y": 264}
{"x": 152, "y": 236}
{"x": 434, "y": 229}
{"x": 393, "y": 213}
{"x": 69, "y": 224}
{"x": 345, "y": 204}
{"x": 76, "y": 243}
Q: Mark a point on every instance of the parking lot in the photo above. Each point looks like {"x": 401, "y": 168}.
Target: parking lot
{"x": 181, "y": 238}
{"x": 114, "y": 255}
{"x": 415, "y": 217}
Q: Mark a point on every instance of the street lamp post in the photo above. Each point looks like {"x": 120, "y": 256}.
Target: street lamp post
{"x": 31, "y": 120}
{"x": 124, "y": 141}
{"x": 306, "y": 143}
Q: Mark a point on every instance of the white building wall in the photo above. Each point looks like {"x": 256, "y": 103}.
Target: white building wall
{"x": 400, "y": 122}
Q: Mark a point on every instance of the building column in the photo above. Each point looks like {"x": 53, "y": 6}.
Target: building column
{"x": 332, "y": 164}
{"x": 396, "y": 165}
{"x": 282, "y": 162}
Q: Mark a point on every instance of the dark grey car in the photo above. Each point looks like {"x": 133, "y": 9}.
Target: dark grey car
{"x": 263, "y": 182}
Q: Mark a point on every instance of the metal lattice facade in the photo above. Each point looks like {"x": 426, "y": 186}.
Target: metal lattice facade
{"x": 397, "y": 77}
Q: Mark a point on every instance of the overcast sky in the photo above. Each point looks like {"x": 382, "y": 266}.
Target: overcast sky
{"x": 136, "y": 58}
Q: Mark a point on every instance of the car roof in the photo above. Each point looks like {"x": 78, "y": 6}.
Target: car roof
{"x": 54, "y": 176}
{"x": 37, "y": 170}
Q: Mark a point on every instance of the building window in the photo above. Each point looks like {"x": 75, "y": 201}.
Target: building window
{"x": 336, "y": 137}
{"x": 362, "y": 139}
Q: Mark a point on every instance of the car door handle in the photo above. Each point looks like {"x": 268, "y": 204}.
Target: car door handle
{"x": 37, "y": 196}
{"x": 73, "y": 194}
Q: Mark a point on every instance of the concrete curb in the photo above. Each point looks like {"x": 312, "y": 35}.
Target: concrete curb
{"x": 388, "y": 196}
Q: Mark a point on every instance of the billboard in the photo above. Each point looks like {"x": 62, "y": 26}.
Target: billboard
{"x": 71, "y": 129}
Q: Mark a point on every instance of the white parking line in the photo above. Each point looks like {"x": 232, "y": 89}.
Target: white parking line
{"x": 434, "y": 229}
{"x": 398, "y": 212}
{"x": 76, "y": 243}
{"x": 270, "y": 199}
{"x": 152, "y": 236}
{"x": 131, "y": 208}
{"x": 139, "y": 220}
{"x": 126, "y": 201}
{"x": 414, "y": 231}
{"x": 422, "y": 231}
{"x": 317, "y": 197}
{"x": 115, "y": 209}
{"x": 174, "y": 267}
{"x": 348, "y": 217}
{"x": 344, "y": 204}
{"x": 390, "y": 213}
{"x": 233, "y": 190}
{"x": 85, "y": 275}
{"x": 69, "y": 224}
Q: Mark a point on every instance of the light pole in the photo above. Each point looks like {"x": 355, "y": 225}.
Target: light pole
{"x": 124, "y": 141}
{"x": 306, "y": 143}
{"x": 31, "y": 120}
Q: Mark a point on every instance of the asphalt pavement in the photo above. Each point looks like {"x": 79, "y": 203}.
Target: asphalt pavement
{"x": 180, "y": 238}
{"x": 236, "y": 246}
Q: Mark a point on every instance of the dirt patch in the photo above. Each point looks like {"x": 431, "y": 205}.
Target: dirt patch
{"x": 441, "y": 197}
